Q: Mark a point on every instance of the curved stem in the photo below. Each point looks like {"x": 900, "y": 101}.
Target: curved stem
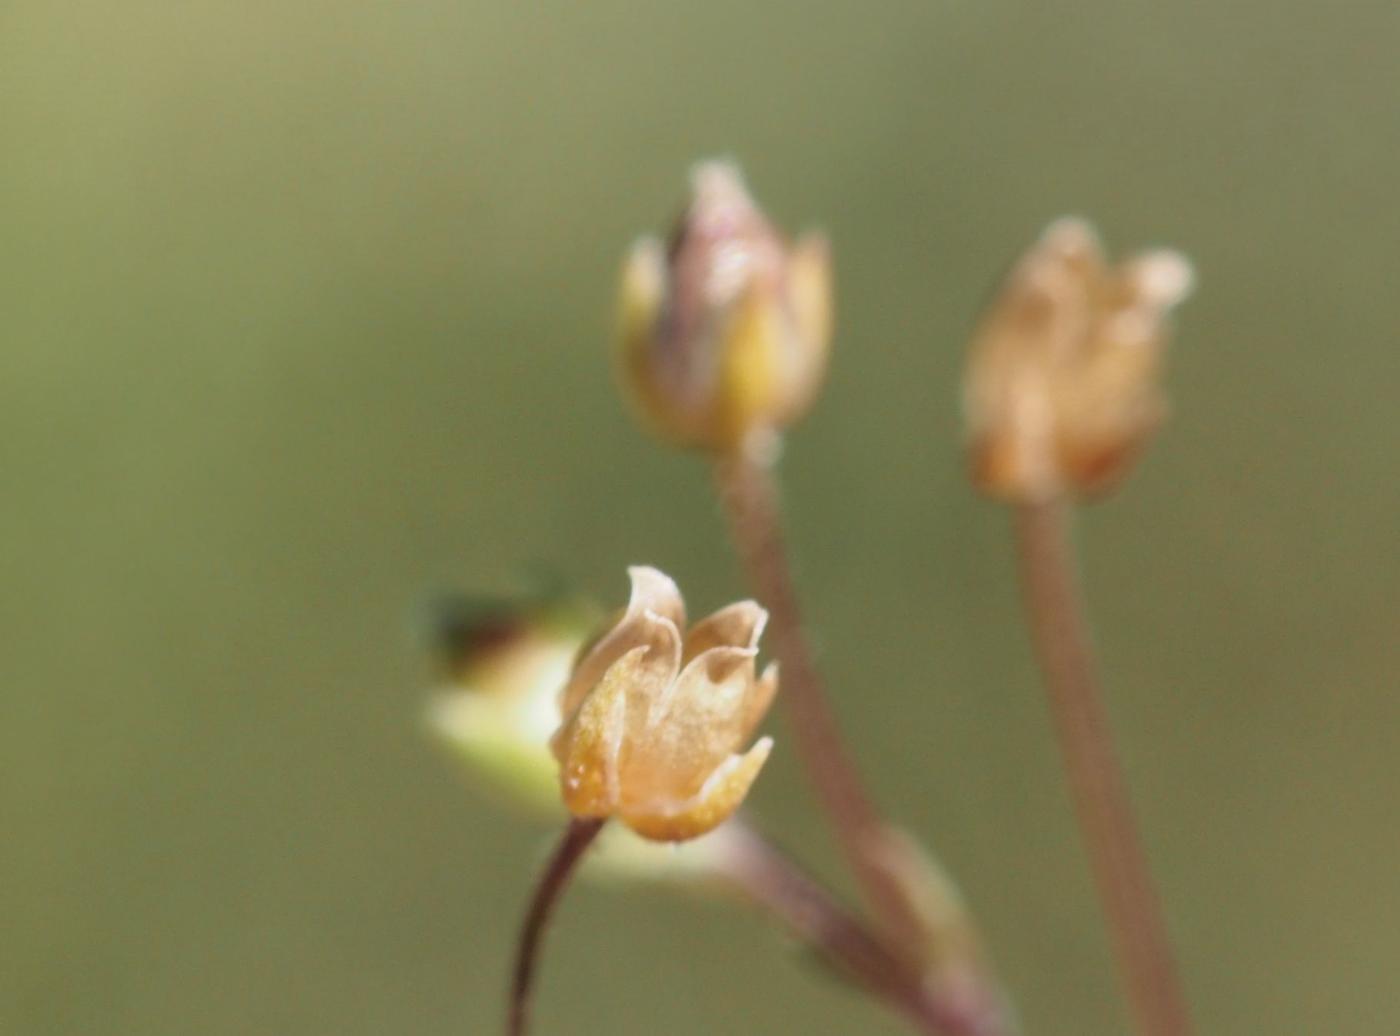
{"x": 1059, "y": 631}
{"x": 776, "y": 883}
{"x": 578, "y": 836}
{"x": 749, "y": 493}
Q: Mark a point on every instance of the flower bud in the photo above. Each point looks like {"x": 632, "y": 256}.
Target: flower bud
{"x": 1063, "y": 383}
{"x": 504, "y": 664}
{"x": 654, "y": 716}
{"x": 725, "y": 329}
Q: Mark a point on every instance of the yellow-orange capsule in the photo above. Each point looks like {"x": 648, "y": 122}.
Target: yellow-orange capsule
{"x": 655, "y": 716}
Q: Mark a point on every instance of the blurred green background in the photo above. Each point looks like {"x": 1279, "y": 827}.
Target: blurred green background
{"x": 305, "y": 307}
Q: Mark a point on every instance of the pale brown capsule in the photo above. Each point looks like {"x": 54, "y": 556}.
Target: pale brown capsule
{"x": 654, "y": 717}
{"x": 725, "y": 329}
{"x": 1063, "y": 382}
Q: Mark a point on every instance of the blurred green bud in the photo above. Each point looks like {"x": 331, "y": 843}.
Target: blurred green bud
{"x": 503, "y": 665}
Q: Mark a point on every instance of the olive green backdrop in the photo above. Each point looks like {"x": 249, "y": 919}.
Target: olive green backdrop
{"x": 303, "y": 313}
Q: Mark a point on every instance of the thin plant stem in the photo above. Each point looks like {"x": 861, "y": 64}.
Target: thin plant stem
{"x": 749, "y": 493}
{"x": 1061, "y": 638}
{"x": 773, "y": 881}
{"x": 578, "y": 836}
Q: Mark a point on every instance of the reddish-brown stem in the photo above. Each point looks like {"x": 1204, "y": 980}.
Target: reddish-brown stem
{"x": 578, "y": 836}
{"x": 747, "y": 489}
{"x": 816, "y": 917}
{"x": 1059, "y": 631}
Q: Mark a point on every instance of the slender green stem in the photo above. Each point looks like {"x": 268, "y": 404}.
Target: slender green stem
{"x": 1060, "y": 634}
{"x": 749, "y": 492}
{"x": 969, "y": 996}
{"x": 750, "y": 496}
{"x": 578, "y": 836}
{"x": 773, "y": 881}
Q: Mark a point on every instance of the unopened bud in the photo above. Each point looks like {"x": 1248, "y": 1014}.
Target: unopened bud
{"x": 725, "y": 328}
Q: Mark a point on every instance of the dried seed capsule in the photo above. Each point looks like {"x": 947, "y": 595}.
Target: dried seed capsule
{"x": 1063, "y": 382}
